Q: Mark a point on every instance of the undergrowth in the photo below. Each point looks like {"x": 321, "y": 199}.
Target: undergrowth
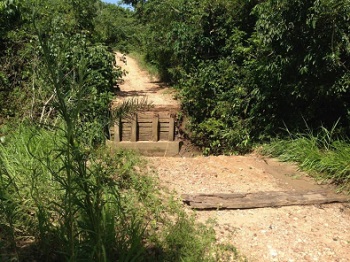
{"x": 117, "y": 212}
{"x": 323, "y": 154}
{"x": 64, "y": 197}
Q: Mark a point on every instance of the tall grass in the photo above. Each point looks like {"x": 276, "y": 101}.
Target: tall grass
{"x": 116, "y": 212}
{"x": 324, "y": 154}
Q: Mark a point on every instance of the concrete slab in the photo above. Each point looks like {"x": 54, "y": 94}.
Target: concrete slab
{"x": 159, "y": 148}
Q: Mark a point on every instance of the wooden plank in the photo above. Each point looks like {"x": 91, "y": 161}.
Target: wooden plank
{"x": 145, "y": 137}
{"x": 163, "y": 136}
{"x": 134, "y": 129}
{"x": 171, "y": 128}
{"x": 117, "y": 132}
{"x": 155, "y": 128}
{"x": 126, "y": 137}
{"x": 261, "y": 199}
{"x": 164, "y": 129}
{"x": 145, "y": 130}
{"x": 126, "y": 126}
{"x": 164, "y": 124}
{"x": 145, "y": 125}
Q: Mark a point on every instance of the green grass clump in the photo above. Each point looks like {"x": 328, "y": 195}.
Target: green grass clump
{"x": 324, "y": 154}
{"x": 113, "y": 207}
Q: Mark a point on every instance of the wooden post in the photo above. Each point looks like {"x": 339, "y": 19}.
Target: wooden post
{"x": 171, "y": 136}
{"x": 134, "y": 129}
{"x": 155, "y": 128}
{"x": 117, "y": 131}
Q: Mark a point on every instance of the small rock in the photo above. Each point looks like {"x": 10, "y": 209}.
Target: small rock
{"x": 273, "y": 252}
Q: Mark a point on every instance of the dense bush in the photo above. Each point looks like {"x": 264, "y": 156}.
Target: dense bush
{"x": 247, "y": 69}
{"x": 303, "y": 62}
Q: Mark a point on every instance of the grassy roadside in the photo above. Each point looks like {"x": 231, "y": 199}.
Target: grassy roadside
{"x": 324, "y": 155}
{"x": 135, "y": 220}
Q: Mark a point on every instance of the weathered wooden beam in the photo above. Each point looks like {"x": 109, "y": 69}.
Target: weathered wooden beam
{"x": 261, "y": 199}
{"x": 117, "y": 131}
{"x": 134, "y": 129}
{"x": 155, "y": 128}
{"x": 171, "y": 136}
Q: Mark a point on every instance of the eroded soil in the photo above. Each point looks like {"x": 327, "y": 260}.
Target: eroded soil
{"x": 295, "y": 233}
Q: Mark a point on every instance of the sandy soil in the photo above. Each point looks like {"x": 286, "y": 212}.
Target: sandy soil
{"x": 139, "y": 84}
{"x": 296, "y": 233}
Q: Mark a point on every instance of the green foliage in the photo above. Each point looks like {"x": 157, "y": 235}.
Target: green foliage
{"x": 113, "y": 211}
{"x": 70, "y": 208}
{"x": 302, "y": 57}
{"x": 116, "y": 27}
{"x": 324, "y": 153}
{"x": 84, "y": 81}
{"x": 69, "y": 26}
{"x": 9, "y": 20}
{"x": 62, "y": 194}
{"x": 83, "y": 203}
{"x": 187, "y": 241}
{"x": 9, "y": 16}
{"x": 218, "y": 107}
{"x": 246, "y": 69}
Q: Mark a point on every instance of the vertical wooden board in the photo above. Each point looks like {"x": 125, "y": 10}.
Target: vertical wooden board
{"x": 163, "y": 128}
{"x": 155, "y": 128}
{"x": 134, "y": 129}
{"x": 126, "y": 136}
{"x": 163, "y": 136}
{"x": 117, "y": 131}
{"x": 145, "y": 136}
{"x": 171, "y": 136}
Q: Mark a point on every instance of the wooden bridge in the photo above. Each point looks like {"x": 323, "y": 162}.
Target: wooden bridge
{"x": 151, "y": 133}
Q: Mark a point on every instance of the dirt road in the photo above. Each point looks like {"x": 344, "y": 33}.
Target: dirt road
{"x": 139, "y": 84}
{"x": 296, "y": 233}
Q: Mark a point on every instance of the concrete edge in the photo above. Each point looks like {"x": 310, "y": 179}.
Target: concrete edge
{"x": 160, "y": 148}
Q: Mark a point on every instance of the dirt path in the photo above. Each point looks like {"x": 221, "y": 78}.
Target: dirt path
{"x": 297, "y": 233}
{"x": 139, "y": 84}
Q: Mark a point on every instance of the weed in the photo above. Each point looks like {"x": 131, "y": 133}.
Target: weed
{"x": 323, "y": 154}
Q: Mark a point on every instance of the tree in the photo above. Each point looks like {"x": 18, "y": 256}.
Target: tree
{"x": 303, "y": 61}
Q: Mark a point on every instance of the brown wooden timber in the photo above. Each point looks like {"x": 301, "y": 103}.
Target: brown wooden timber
{"x": 117, "y": 131}
{"x": 261, "y": 199}
{"x": 155, "y": 127}
{"x": 171, "y": 129}
{"x": 134, "y": 129}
